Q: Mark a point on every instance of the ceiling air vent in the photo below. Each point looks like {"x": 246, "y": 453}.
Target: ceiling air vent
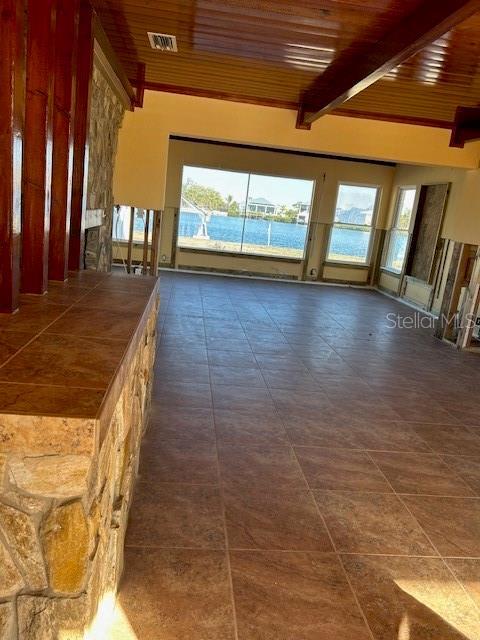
{"x": 162, "y": 41}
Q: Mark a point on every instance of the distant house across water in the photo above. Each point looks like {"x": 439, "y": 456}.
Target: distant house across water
{"x": 261, "y": 205}
{"x": 303, "y": 212}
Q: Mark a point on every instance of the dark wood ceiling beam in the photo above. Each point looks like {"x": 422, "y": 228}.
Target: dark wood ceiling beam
{"x": 466, "y": 127}
{"x": 12, "y": 109}
{"x": 358, "y": 68}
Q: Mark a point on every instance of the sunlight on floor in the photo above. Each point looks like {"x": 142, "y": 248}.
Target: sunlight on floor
{"x": 447, "y": 600}
{"x": 110, "y": 622}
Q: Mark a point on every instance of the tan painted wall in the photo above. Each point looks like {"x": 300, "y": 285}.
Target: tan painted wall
{"x": 462, "y": 216}
{"x": 273, "y": 163}
{"x": 143, "y": 145}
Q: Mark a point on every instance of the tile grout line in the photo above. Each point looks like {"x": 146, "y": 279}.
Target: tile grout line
{"x": 335, "y": 550}
{"x": 434, "y": 546}
{"x": 322, "y": 519}
{"x": 222, "y": 499}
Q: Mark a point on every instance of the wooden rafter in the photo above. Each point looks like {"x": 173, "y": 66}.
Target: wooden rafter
{"x": 360, "y": 66}
{"x": 466, "y": 127}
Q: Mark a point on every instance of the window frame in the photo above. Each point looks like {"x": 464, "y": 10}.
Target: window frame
{"x": 371, "y": 227}
{"x": 245, "y": 216}
{"x": 394, "y": 226}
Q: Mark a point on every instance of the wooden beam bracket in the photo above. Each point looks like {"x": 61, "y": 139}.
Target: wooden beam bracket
{"x": 466, "y": 127}
{"x": 140, "y": 84}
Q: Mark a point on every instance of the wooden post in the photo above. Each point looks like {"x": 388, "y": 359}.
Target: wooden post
{"x": 145, "y": 241}
{"x": 80, "y": 135}
{"x": 64, "y": 100}
{"x": 155, "y": 250}
{"x": 12, "y": 110}
{"x": 130, "y": 240}
{"x": 37, "y": 158}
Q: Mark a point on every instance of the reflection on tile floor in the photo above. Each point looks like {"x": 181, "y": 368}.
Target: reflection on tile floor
{"x": 308, "y": 473}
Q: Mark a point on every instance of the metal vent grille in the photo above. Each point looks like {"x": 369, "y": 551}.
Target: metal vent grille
{"x": 162, "y": 41}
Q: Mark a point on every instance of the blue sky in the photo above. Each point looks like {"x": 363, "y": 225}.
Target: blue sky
{"x": 277, "y": 190}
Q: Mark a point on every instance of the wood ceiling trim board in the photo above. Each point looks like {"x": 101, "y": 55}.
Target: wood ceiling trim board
{"x": 352, "y": 72}
{"x": 216, "y": 95}
{"x": 220, "y": 95}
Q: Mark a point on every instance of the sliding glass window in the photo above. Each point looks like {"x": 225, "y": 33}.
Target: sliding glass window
{"x": 351, "y": 233}
{"x": 399, "y": 233}
{"x": 244, "y": 212}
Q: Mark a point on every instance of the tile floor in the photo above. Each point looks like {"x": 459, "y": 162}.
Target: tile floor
{"x": 308, "y": 473}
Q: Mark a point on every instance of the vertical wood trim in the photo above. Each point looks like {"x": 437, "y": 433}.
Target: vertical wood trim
{"x": 62, "y": 163}
{"x": 80, "y": 135}
{"x": 145, "y": 241}
{"x": 130, "y": 240}
{"x": 154, "y": 254}
{"x": 12, "y": 112}
{"x": 37, "y": 159}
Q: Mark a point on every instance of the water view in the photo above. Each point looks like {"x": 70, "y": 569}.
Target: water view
{"x": 264, "y": 236}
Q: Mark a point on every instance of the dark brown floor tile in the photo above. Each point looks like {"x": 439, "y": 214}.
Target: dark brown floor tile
{"x": 167, "y": 356}
{"x": 281, "y": 379}
{"x": 424, "y": 413}
{"x": 318, "y": 429}
{"x": 467, "y": 572}
{"x": 340, "y": 469}
{"x": 371, "y": 523}
{"x": 274, "y": 467}
{"x": 245, "y": 377}
{"x": 232, "y": 359}
{"x": 420, "y": 473}
{"x": 171, "y": 461}
{"x": 452, "y": 524}
{"x": 180, "y": 423}
{"x": 467, "y": 468}
{"x": 177, "y": 593}
{"x": 217, "y": 344}
{"x": 176, "y": 515}
{"x": 294, "y": 596}
{"x": 449, "y": 439}
{"x": 249, "y": 427}
{"x": 184, "y": 372}
{"x": 236, "y": 397}
{"x": 65, "y": 361}
{"x": 289, "y": 363}
{"x": 178, "y": 394}
{"x": 411, "y": 599}
{"x": 274, "y": 519}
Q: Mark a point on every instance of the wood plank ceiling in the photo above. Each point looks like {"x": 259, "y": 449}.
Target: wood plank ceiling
{"x": 271, "y": 51}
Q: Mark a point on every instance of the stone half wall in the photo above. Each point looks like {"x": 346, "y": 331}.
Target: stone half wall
{"x": 63, "y": 518}
{"x": 106, "y": 116}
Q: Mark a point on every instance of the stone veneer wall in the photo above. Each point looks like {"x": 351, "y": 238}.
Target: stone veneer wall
{"x": 106, "y": 116}
{"x": 63, "y": 517}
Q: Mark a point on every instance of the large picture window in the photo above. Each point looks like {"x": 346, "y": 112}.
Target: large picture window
{"x": 399, "y": 234}
{"x": 351, "y": 233}
{"x": 244, "y": 212}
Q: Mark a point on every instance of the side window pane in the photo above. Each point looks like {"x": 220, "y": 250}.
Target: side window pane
{"x": 397, "y": 249}
{"x": 352, "y": 229}
{"x": 405, "y": 208}
{"x": 398, "y": 243}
